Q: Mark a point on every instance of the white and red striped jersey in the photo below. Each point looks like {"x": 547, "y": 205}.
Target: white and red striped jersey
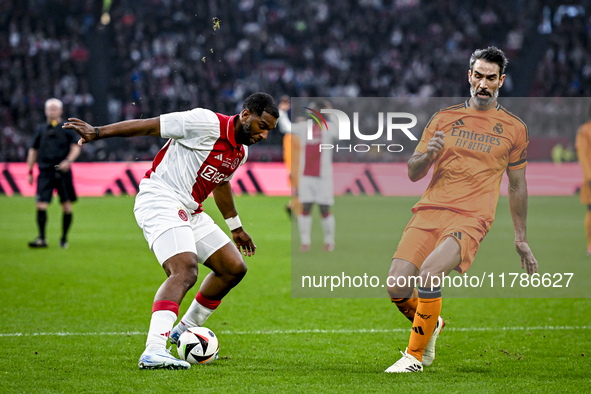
{"x": 313, "y": 162}
{"x": 201, "y": 153}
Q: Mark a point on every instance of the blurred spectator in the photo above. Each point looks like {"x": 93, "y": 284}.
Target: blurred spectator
{"x": 566, "y": 67}
{"x": 42, "y": 55}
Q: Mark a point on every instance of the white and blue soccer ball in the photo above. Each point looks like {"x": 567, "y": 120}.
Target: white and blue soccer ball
{"x": 198, "y": 345}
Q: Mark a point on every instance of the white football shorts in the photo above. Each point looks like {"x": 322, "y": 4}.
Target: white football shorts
{"x": 315, "y": 190}
{"x": 181, "y": 239}
{"x": 170, "y": 229}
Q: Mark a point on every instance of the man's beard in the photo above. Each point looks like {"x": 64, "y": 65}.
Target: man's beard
{"x": 483, "y": 102}
{"x": 243, "y": 135}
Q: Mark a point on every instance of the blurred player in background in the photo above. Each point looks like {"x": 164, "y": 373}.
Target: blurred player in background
{"x": 470, "y": 145}
{"x": 203, "y": 152}
{"x": 54, "y": 149}
{"x": 291, "y": 143}
{"x": 583, "y": 146}
{"x": 315, "y": 183}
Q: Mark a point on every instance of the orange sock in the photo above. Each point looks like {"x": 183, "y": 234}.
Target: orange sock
{"x": 428, "y": 309}
{"x": 588, "y": 229}
{"x": 408, "y": 305}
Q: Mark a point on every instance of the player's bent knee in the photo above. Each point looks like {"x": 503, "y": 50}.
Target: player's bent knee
{"x": 183, "y": 265}
{"x": 399, "y": 286}
{"x": 399, "y": 292}
{"x": 402, "y": 278}
{"x": 228, "y": 264}
{"x": 236, "y": 271}
{"x": 190, "y": 276}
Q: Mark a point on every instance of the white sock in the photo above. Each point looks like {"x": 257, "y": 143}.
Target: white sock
{"x": 160, "y": 326}
{"x": 328, "y": 227}
{"x": 305, "y": 226}
{"x": 196, "y": 315}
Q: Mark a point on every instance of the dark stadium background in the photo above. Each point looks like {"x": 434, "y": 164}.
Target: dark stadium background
{"x": 158, "y": 56}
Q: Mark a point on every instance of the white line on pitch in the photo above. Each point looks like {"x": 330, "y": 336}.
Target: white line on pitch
{"x": 308, "y": 331}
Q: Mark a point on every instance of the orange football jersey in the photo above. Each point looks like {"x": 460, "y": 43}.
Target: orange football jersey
{"x": 583, "y": 146}
{"x": 478, "y": 147}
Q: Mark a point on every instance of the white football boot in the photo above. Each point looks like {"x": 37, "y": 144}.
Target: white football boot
{"x": 407, "y": 363}
{"x": 429, "y": 354}
{"x": 161, "y": 359}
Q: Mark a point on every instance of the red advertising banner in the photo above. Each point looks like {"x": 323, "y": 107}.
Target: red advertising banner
{"x": 388, "y": 179}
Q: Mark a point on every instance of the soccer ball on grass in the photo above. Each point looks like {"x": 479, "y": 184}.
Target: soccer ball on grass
{"x": 198, "y": 345}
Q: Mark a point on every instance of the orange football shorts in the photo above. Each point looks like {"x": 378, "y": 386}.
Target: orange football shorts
{"x": 430, "y": 227}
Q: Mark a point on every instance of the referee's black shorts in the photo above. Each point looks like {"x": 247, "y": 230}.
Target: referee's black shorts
{"x": 48, "y": 181}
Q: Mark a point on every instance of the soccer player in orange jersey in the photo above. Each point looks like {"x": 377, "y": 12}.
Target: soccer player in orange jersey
{"x": 470, "y": 145}
{"x": 583, "y": 146}
{"x": 291, "y": 142}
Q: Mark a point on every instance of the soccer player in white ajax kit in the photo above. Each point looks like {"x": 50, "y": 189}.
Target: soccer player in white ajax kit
{"x": 315, "y": 184}
{"x": 203, "y": 152}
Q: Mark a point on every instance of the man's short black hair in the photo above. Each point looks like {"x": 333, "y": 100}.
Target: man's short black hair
{"x": 261, "y": 102}
{"x": 490, "y": 54}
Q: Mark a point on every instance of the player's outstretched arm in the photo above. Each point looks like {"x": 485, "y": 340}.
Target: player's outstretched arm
{"x": 419, "y": 163}
{"x": 518, "y": 207}
{"x": 224, "y": 200}
{"x": 127, "y": 128}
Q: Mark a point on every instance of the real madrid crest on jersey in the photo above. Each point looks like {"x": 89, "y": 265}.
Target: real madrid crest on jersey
{"x": 498, "y": 129}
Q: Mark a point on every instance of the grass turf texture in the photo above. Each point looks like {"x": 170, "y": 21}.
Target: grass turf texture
{"x": 104, "y": 284}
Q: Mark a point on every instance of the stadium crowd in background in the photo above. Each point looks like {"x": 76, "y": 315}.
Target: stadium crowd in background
{"x": 166, "y": 55}
{"x": 42, "y": 55}
{"x": 566, "y": 66}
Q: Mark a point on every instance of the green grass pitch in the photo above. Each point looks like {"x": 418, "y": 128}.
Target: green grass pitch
{"x": 74, "y": 321}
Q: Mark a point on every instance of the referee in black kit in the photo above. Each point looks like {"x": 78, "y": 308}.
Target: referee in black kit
{"x": 54, "y": 149}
